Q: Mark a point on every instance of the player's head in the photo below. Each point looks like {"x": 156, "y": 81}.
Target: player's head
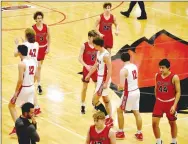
{"x": 38, "y": 16}
{"x": 125, "y": 56}
{"x": 164, "y": 66}
{"x": 28, "y": 110}
{"x": 98, "y": 42}
{"x": 92, "y": 34}
{"x": 99, "y": 119}
{"x": 22, "y": 50}
{"x": 107, "y": 6}
{"x": 30, "y": 35}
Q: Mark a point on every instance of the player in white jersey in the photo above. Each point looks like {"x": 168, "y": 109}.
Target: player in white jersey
{"x": 103, "y": 63}
{"x": 32, "y": 53}
{"x": 131, "y": 96}
{"x": 25, "y": 90}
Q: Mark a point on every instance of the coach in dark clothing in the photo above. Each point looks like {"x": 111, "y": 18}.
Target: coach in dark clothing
{"x": 26, "y": 130}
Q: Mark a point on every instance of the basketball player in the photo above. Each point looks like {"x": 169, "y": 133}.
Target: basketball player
{"x": 142, "y": 7}
{"x": 131, "y": 96}
{"x": 87, "y": 58}
{"x": 167, "y": 93}
{"x": 99, "y": 133}
{"x": 43, "y": 38}
{"x": 25, "y": 89}
{"x": 104, "y": 26}
{"x": 32, "y": 53}
{"x": 104, "y": 66}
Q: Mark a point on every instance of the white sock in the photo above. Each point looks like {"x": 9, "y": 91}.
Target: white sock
{"x": 36, "y": 107}
{"x": 139, "y": 132}
{"x": 38, "y": 83}
{"x": 83, "y": 104}
{"x": 107, "y": 116}
{"x": 120, "y": 130}
{"x": 158, "y": 141}
{"x": 174, "y": 140}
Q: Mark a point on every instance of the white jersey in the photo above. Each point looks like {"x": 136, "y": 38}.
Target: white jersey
{"x": 32, "y": 50}
{"x": 30, "y": 70}
{"x": 131, "y": 82}
{"x": 102, "y": 69}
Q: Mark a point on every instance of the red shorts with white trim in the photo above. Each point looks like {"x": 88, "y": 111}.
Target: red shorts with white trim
{"x": 108, "y": 41}
{"x": 41, "y": 53}
{"x": 164, "y": 107}
{"x": 93, "y": 76}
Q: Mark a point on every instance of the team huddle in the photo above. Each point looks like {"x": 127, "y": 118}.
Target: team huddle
{"x": 95, "y": 56}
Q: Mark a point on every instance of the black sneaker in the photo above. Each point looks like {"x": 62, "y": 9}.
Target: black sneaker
{"x": 142, "y": 17}
{"x": 83, "y": 110}
{"x": 125, "y": 13}
{"x": 174, "y": 143}
{"x": 39, "y": 89}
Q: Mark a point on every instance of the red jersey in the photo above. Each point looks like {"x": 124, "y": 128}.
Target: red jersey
{"x": 99, "y": 138}
{"x": 105, "y": 26}
{"x": 89, "y": 55}
{"x": 41, "y": 35}
{"x": 165, "y": 89}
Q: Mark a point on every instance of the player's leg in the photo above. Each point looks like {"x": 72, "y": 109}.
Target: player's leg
{"x": 83, "y": 96}
{"x": 174, "y": 131}
{"x": 157, "y": 114}
{"x": 120, "y": 133}
{"x": 39, "y": 88}
{"x": 108, "y": 105}
{"x": 13, "y": 112}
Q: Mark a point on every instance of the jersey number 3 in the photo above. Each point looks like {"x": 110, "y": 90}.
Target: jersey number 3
{"x": 31, "y": 70}
{"x": 134, "y": 74}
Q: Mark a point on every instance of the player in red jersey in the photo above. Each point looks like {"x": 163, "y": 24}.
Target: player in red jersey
{"x": 99, "y": 133}
{"x": 167, "y": 92}
{"x": 87, "y": 58}
{"x": 43, "y": 39}
{"x": 104, "y": 26}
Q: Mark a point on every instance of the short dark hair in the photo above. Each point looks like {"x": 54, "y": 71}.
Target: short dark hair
{"x": 23, "y": 49}
{"x": 26, "y": 107}
{"x": 37, "y": 14}
{"x": 92, "y": 33}
{"x": 98, "y": 41}
{"x": 107, "y": 4}
{"x": 125, "y": 56}
{"x": 164, "y": 62}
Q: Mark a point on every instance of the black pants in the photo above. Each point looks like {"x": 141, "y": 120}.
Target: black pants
{"x": 141, "y": 5}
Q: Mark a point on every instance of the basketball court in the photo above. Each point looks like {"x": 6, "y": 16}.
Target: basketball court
{"x": 61, "y": 121}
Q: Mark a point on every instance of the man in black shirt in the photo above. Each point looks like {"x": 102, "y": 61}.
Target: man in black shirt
{"x": 26, "y": 130}
{"x": 142, "y": 7}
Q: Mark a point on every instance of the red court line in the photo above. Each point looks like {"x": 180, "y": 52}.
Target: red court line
{"x": 60, "y": 22}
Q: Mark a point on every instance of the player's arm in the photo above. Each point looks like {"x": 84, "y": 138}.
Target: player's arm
{"x": 97, "y": 26}
{"x": 123, "y": 75}
{"x": 21, "y": 69}
{"x": 116, "y": 26}
{"x": 93, "y": 69}
{"x": 177, "y": 88}
{"x": 87, "y": 138}
{"x": 155, "y": 90}
{"x": 112, "y": 137}
{"x": 48, "y": 39}
{"x": 107, "y": 61}
{"x": 16, "y": 48}
{"x": 80, "y": 58}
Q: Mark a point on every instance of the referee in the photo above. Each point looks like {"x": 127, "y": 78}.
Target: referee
{"x": 26, "y": 130}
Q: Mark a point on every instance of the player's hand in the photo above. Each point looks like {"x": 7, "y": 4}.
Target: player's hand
{"x": 33, "y": 120}
{"x": 119, "y": 88}
{"x": 116, "y": 33}
{"x": 47, "y": 51}
{"x": 88, "y": 67}
{"x": 101, "y": 35}
{"x": 16, "y": 41}
{"x": 14, "y": 97}
{"x": 87, "y": 78}
{"x": 105, "y": 85}
{"x": 172, "y": 110}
